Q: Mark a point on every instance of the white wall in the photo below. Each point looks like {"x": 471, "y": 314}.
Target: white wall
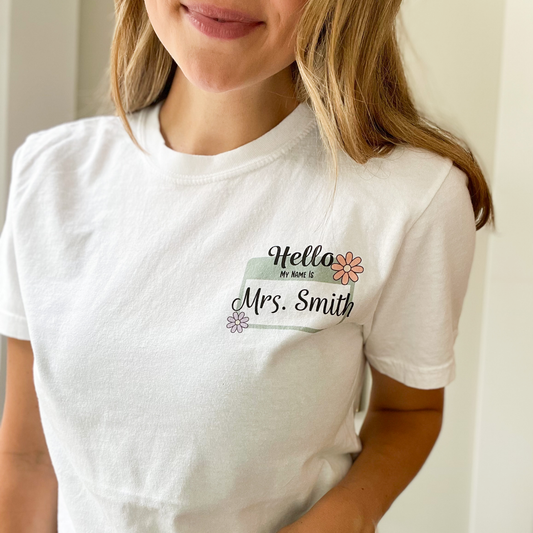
{"x": 97, "y": 19}
{"x": 5, "y": 10}
{"x": 502, "y": 495}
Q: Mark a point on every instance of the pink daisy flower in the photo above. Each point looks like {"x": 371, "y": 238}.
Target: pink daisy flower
{"x": 347, "y": 268}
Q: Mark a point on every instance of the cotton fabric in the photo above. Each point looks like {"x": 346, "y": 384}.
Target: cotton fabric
{"x": 200, "y": 324}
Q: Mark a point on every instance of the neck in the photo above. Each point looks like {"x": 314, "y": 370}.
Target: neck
{"x": 194, "y": 121}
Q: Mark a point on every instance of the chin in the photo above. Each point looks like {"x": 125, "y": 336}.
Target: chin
{"x": 214, "y": 78}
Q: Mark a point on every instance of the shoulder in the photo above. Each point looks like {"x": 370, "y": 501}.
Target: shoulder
{"x": 405, "y": 181}
{"x": 63, "y": 147}
{"x": 406, "y": 170}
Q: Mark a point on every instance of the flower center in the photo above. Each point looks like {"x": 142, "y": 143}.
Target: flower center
{"x": 347, "y": 268}
{"x": 237, "y": 321}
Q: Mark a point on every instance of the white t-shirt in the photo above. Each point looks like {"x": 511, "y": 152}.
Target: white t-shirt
{"x": 200, "y": 329}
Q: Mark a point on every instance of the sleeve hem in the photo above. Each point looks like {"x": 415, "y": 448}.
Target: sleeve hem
{"x": 415, "y": 376}
{"x": 13, "y": 326}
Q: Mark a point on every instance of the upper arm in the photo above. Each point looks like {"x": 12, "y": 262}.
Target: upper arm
{"x": 21, "y": 431}
{"x": 388, "y": 393}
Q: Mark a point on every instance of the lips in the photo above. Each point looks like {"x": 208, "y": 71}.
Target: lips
{"x": 221, "y": 15}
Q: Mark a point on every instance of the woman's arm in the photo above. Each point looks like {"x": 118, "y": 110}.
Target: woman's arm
{"x": 399, "y": 431}
{"x": 28, "y": 484}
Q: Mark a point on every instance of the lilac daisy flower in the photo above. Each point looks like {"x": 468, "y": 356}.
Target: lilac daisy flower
{"x": 237, "y": 322}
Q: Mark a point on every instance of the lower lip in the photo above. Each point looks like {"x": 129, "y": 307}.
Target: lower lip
{"x": 220, "y": 30}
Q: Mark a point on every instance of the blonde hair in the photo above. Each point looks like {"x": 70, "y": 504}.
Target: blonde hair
{"x": 348, "y": 67}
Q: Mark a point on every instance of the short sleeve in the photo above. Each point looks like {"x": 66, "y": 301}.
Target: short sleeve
{"x": 13, "y": 321}
{"x": 415, "y": 323}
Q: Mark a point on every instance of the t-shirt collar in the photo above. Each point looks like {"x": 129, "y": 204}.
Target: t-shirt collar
{"x": 260, "y": 151}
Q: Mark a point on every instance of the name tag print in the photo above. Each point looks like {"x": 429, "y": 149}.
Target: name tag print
{"x": 305, "y": 291}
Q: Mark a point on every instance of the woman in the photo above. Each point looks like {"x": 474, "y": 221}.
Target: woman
{"x": 201, "y": 298}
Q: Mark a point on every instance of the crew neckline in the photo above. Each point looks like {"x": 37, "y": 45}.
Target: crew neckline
{"x": 181, "y": 166}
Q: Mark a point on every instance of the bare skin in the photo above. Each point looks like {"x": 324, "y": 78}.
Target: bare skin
{"x": 28, "y": 486}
